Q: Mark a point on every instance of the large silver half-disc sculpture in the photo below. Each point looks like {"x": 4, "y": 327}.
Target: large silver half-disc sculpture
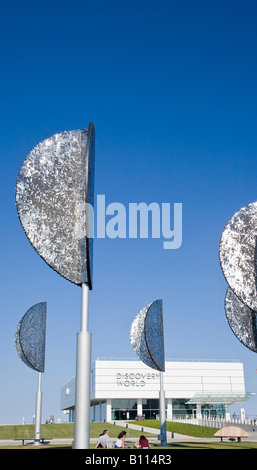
{"x": 146, "y": 335}
{"x": 30, "y": 337}
{"x": 54, "y": 189}
{"x": 242, "y": 320}
{"x": 237, "y": 253}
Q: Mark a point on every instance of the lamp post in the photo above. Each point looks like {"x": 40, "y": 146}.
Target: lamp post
{"x": 83, "y": 373}
{"x": 146, "y": 337}
{"x": 163, "y": 433}
{"x": 54, "y": 199}
{"x": 29, "y": 339}
{"x": 38, "y": 413}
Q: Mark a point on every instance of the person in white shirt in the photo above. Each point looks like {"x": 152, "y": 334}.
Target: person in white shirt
{"x": 120, "y": 443}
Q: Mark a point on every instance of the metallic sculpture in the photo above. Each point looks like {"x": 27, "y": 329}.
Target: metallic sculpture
{"x": 242, "y": 320}
{"x": 146, "y": 337}
{"x": 30, "y": 339}
{"x": 54, "y": 200}
{"x": 54, "y": 186}
{"x": 237, "y": 252}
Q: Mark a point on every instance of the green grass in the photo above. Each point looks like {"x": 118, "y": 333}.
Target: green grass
{"x": 171, "y": 446}
{"x": 26, "y": 431}
{"x": 66, "y": 430}
{"x": 181, "y": 428}
{"x": 62, "y": 431}
{"x": 210, "y": 445}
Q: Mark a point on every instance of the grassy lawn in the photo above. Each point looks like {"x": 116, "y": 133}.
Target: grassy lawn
{"x": 14, "y": 431}
{"x": 211, "y": 445}
{"x": 63, "y": 431}
{"x": 66, "y": 430}
{"x": 226, "y": 445}
{"x": 181, "y": 428}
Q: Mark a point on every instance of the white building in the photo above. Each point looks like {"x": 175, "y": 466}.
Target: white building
{"x": 123, "y": 389}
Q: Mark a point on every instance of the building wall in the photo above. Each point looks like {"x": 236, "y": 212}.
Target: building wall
{"x": 129, "y": 379}
{"x": 68, "y": 395}
{"x": 122, "y": 379}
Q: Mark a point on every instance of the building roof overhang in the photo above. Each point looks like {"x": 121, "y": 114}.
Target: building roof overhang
{"x": 218, "y": 398}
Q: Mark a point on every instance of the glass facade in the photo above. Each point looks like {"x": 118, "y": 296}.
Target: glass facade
{"x": 124, "y": 409}
{"x": 213, "y": 411}
{"x": 151, "y": 408}
{"x": 182, "y": 409}
{"x": 98, "y": 412}
{"x": 128, "y": 410}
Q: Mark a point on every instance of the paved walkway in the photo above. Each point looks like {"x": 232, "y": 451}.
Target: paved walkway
{"x": 155, "y": 431}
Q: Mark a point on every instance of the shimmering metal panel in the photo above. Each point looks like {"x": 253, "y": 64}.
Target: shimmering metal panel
{"x": 137, "y": 338}
{"x": 30, "y": 337}
{"x": 54, "y": 184}
{"x": 146, "y": 336}
{"x": 90, "y": 171}
{"x": 154, "y": 333}
{"x": 242, "y": 320}
{"x": 237, "y": 253}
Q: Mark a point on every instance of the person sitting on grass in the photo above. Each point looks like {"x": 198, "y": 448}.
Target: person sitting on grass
{"x": 120, "y": 443}
{"x": 103, "y": 440}
{"x": 143, "y": 443}
{"x": 98, "y": 444}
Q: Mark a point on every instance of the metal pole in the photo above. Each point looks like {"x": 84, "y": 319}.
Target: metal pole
{"x": 84, "y": 308}
{"x": 163, "y": 433}
{"x": 83, "y": 373}
{"x": 37, "y": 435}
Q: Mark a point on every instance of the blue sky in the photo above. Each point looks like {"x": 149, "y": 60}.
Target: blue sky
{"x": 171, "y": 89}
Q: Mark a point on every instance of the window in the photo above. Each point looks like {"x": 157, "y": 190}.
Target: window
{"x": 151, "y": 408}
{"x": 180, "y": 408}
{"x": 124, "y": 409}
{"x": 98, "y": 411}
{"x": 213, "y": 411}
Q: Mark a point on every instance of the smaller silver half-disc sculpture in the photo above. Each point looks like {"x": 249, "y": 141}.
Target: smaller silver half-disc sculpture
{"x": 242, "y": 320}
{"x": 30, "y": 337}
{"x": 146, "y": 335}
{"x": 237, "y": 252}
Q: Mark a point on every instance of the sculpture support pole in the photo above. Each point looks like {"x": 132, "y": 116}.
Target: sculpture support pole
{"x": 163, "y": 436}
{"x": 83, "y": 372}
{"x": 37, "y": 435}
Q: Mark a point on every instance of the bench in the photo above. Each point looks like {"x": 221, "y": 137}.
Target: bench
{"x": 23, "y": 439}
{"x": 231, "y": 432}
